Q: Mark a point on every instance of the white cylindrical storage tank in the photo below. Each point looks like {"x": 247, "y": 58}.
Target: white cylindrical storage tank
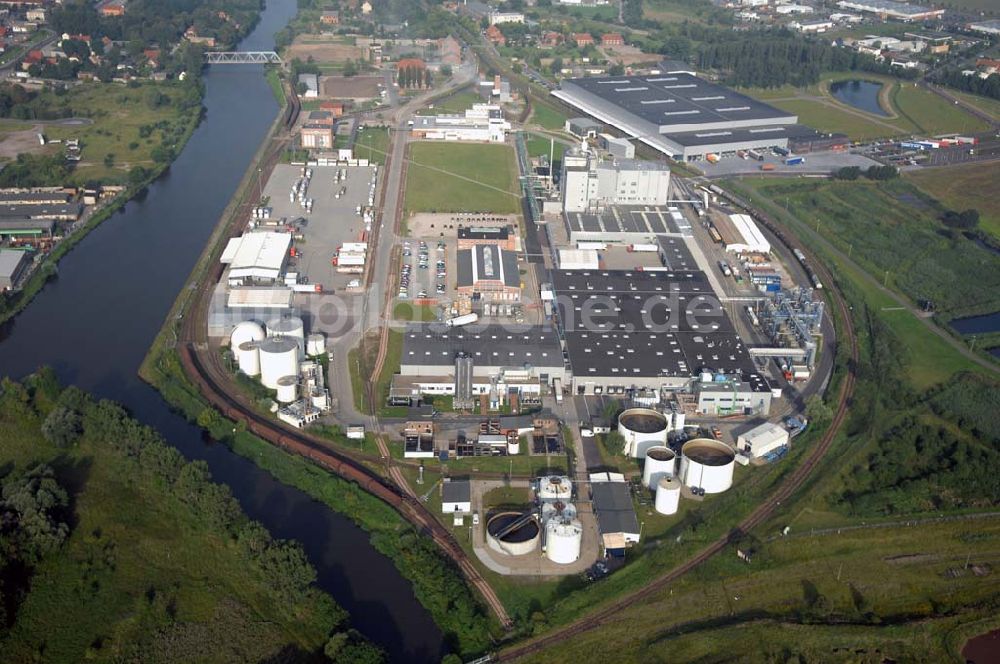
{"x": 320, "y": 399}
{"x": 563, "y": 538}
{"x": 289, "y": 327}
{"x": 558, "y": 510}
{"x": 279, "y": 357}
{"x": 288, "y": 389}
{"x": 517, "y": 542}
{"x": 555, "y": 487}
{"x": 248, "y": 358}
{"x": 679, "y": 421}
{"x": 660, "y": 462}
{"x": 707, "y": 464}
{"x": 642, "y": 428}
{"x": 245, "y": 331}
{"x": 668, "y": 495}
{"x": 315, "y": 344}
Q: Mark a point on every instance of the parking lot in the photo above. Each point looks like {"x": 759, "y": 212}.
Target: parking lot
{"x": 333, "y": 219}
{"x": 815, "y": 162}
{"x": 426, "y": 272}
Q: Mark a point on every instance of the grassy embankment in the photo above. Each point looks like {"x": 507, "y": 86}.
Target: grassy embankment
{"x": 457, "y": 103}
{"x": 449, "y": 177}
{"x": 144, "y": 574}
{"x": 912, "y": 109}
{"x": 180, "y": 130}
{"x": 965, "y": 186}
{"x": 547, "y": 117}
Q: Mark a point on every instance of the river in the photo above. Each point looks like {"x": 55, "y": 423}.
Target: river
{"x": 859, "y": 94}
{"x": 95, "y": 322}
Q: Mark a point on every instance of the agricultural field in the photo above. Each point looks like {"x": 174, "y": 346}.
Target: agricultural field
{"x": 965, "y": 186}
{"x": 453, "y": 177}
{"x": 892, "y": 231}
{"x": 121, "y": 127}
{"x": 143, "y": 573}
{"x": 324, "y": 50}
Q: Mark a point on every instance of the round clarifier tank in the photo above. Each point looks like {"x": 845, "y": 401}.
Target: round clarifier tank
{"x": 563, "y": 540}
{"x": 707, "y": 464}
{"x": 521, "y": 540}
{"x": 642, "y": 429}
{"x": 279, "y": 357}
{"x": 668, "y": 495}
{"x": 245, "y": 331}
{"x": 288, "y": 389}
{"x": 248, "y": 358}
{"x": 288, "y": 327}
{"x": 660, "y": 462}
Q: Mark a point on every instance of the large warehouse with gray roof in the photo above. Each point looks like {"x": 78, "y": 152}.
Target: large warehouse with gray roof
{"x": 682, "y": 115}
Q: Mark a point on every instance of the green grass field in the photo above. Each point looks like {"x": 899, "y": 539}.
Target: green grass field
{"x": 117, "y": 112}
{"x": 833, "y": 119}
{"x": 452, "y": 177}
{"x": 372, "y": 144}
{"x": 931, "y": 114}
{"x": 457, "y": 103}
{"x": 547, "y": 117}
{"x": 142, "y": 574}
{"x": 408, "y": 312}
{"x": 966, "y": 186}
{"x": 985, "y": 104}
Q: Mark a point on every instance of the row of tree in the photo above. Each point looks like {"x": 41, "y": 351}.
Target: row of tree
{"x": 414, "y": 77}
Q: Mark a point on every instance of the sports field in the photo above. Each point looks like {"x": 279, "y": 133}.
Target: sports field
{"x": 461, "y": 177}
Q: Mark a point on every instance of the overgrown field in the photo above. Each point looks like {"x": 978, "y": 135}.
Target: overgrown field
{"x": 154, "y": 563}
{"x": 893, "y": 231}
{"x": 461, "y": 177}
{"x": 965, "y": 186}
{"x": 372, "y": 143}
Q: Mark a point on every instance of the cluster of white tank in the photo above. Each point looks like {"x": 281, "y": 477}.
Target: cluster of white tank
{"x": 660, "y": 462}
{"x": 644, "y": 428}
{"x": 275, "y": 357}
{"x": 299, "y": 190}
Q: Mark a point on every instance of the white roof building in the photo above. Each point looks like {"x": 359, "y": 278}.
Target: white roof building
{"x": 256, "y": 257}
{"x": 762, "y": 439}
{"x": 579, "y": 259}
{"x": 793, "y": 9}
{"x": 752, "y": 239}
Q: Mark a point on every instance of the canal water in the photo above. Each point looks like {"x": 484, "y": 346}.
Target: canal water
{"x": 859, "y": 94}
{"x": 984, "y": 324}
{"x": 95, "y": 322}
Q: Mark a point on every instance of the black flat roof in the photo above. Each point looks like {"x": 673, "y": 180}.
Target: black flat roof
{"x": 692, "y": 282}
{"x": 643, "y": 220}
{"x": 678, "y": 98}
{"x": 613, "y": 506}
{"x": 743, "y": 135}
{"x": 642, "y": 312}
{"x": 497, "y": 233}
{"x": 433, "y": 344}
{"x": 487, "y": 262}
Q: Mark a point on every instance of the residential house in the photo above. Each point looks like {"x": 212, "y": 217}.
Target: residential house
{"x": 612, "y": 39}
{"x": 330, "y": 17}
{"x": 583, "y": 39}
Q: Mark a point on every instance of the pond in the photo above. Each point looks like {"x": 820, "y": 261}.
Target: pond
{"x": 859, "y": 94}
{"x": 984, "y": 324}
{"x": 984, "y": 649}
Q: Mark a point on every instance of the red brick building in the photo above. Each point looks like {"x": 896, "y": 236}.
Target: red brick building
{"x": 494, "y": 35}
{"x": 583, "y": 39}
{"x": 612, "y": 39}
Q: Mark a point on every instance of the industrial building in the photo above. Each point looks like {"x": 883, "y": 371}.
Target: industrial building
{"x": 456, "y": 496}
{"x": 625, "y": 224}
{"x": 682, "y": 115}
{"x": 37, "y": 211}
{"x": 317, "y": 136}
{"x": 902, "y": 11}
{"x": 583, "y": 127}
{"x": 10, "y": 197}
{"x": 762, "y": 440}
{"x": 629, "y": 331}
{"x": 487, "y": 272}
{"x": 500, "y": 236}
{"x": 482, "y": 122}
{"x": 256, "y": 258}
{"x": 619, "y": 148}
{"x": 476, "y": 361}
{"x": 741, "y": 235}
{"x": 615, "y": 515}
{"x": 990, "y": 27}
{"x": 590, "y": 184}
{"x": 34, "y": 228}
{"x": 13, "y": 263}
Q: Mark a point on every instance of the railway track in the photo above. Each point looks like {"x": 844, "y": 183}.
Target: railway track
{"x": 791, "y": 484}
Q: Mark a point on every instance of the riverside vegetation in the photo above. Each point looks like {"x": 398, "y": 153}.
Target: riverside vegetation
{"x": 137, "y": 551}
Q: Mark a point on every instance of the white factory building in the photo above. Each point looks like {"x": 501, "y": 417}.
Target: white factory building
{"x": 902, "y": 11}
{"x": 590, "y": 184}
{"x": 747, "y": 237}
{"x": 762, "y": 439}
{"x": 482, "y": 122}
{"x": 256, "y": 258}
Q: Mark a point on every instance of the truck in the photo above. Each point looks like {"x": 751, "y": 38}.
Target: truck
{"x": 794, "y": 161}
{"x": 712, "y": 158}
{"x": 754, "y": 154}
{"x": 350, "y": 269}
{"x": 307, "y": 288}
{"x": 354, "y": 247}
{"x": 557, "y": 389}
{"x": 781, "y": 152}
{"x": 639, "y": 248}
{"x": 724, "y": 266}
{"x": 459, "y": 321}
{"x": 767, "y": 167}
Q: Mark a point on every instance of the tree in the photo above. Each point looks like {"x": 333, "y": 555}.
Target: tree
{"x": 446, "y": 71}
{"x": 964, "y": 220}
{"x": 32, "y": 509}
{"x": 62, "y": 427}
{"x": 334, "y": 645}
{"x": 350, "y": 69}
{"x": 614, "y": 443}
{"x": 847, "y": 173}
{"x": 881, "y": 172}
{"x": 817, "y": 410}
{"x": 109, "y": 160}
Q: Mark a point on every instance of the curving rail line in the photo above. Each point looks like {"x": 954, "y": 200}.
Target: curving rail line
{"x": 758, "y": 516}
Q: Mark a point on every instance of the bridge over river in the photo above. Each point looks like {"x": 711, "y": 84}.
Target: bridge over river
{"x": 242, "y": 58}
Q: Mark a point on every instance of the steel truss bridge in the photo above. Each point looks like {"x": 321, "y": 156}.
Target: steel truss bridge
{"x": 242, "y": 58}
